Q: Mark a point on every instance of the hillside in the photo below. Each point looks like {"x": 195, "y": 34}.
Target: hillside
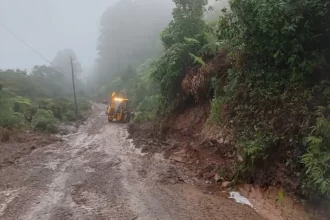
{"x": 253, "y": 89}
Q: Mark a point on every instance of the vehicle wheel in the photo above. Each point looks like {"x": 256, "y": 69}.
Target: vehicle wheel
{"x": 109, "y": 119}
{"x": 125, "y": 118}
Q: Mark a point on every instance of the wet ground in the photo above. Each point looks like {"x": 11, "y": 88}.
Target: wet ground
{"x": 97, "y": 173}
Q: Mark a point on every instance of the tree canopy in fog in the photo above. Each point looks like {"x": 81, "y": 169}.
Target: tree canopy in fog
{"x": 63, "y": 63}
{"x": 130, "y": 34}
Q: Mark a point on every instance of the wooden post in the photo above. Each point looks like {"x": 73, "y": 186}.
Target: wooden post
{"x": 74, "y": 88}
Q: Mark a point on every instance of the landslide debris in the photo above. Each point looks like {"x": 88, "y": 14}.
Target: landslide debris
{"x": 15, "y": 144}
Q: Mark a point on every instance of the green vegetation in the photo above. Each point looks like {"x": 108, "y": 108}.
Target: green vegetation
{"x": 44, "y": 120}
{"x": 39, "y": 114}
{"x": 261, "y": 64}
{"x": 266, "y": 62}
{"x": 9, "y": 118}
{"x": 280, "y": 52}
{"x": 41, "y": 98}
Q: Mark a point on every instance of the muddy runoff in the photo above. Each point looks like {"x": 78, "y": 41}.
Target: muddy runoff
{"x": 97, "y": 173}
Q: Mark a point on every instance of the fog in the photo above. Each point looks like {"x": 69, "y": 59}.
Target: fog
{"x": 49, "y": 26}
{"x": 106, "y": 36}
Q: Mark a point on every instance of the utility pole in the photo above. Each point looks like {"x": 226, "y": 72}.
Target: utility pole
{"x": 74, "y": 88}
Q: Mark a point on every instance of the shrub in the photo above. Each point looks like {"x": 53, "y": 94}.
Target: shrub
{"x": 64, "y": 108}
{"x": 317, "y": 157}
{"x": 147, "y": 109}
{"x": 83, "y": 104}
{"x": 216, "y": 110}
{"x": 44, "y": 120}
{"x": 8, "y": 118}
{"x": 70, "y": 115}
{"x": 182, "y": 38}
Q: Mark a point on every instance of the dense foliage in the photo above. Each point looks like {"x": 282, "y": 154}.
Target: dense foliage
{"x": 280, "y": 51}
{"x": 44, "y": 120}
{"x": 29, "y": 112}
{"x": 9, "y": 118}
{"x": 187, "y": 39}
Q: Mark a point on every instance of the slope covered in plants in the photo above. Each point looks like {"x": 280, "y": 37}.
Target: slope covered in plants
{"x": 262, "y": 67}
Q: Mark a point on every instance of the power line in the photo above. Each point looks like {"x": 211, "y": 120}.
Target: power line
{"x": 31, "y": 48}
{"x": 42, "y": 57}
{"x": 26, "y": 44}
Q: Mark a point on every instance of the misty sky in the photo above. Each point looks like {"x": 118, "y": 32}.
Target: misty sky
{"x": 48, "y": 26}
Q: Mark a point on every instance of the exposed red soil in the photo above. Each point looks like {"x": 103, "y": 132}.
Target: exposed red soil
{"x": 208, "y": 151}
{"x": 188, "y": 138}
{"x": 269, "y": 205}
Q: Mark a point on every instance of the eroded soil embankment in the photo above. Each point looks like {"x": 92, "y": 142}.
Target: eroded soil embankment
{"x": 15, "y": 144}
{"x": 209, "y": 154}
{"x": 187, "y": 138}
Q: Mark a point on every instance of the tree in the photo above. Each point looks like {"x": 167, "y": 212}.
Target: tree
{"x": 49, "y": 81}
{"x": 215, "y": 10}
{"x": 61, "y": 62}
{"x": 182, "y": 38}
{"x": 187, "y": 21}
{"x": 16, "y": 81}
{"x": 129, "y": 35}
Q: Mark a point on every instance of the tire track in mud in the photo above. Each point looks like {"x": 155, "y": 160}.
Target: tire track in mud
{"x": 98, "y": 174}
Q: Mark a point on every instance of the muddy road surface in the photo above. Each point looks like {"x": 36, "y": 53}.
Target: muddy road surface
{"x": 97, "y": 173}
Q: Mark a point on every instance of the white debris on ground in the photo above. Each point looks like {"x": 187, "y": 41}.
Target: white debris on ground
{"x": 240, "y": 199}
{"x": 67, "y": 128}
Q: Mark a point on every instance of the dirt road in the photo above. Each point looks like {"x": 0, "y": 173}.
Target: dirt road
{"x": 97, "y": 173}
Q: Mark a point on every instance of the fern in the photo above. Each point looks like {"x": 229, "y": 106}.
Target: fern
{"x": 197, "y": 60}
{"x": 191, "y": 40}
{"x": 210, "y": 49}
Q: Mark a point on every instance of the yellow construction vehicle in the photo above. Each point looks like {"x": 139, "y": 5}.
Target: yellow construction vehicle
{"x": 118, "y": 109}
